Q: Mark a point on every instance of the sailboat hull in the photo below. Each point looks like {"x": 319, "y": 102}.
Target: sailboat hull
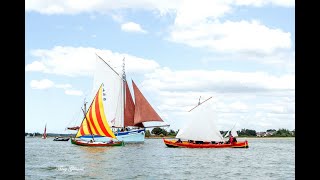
{"x": 184, "y": 144}
{"x": 132, "y": 136}
{"x": 96, "y": 144}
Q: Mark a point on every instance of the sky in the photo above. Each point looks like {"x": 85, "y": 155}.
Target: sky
{"x": 239, "y": 52}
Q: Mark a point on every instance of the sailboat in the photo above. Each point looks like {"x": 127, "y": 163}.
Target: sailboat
{"x": 44, "y": 136}
{"x": 94, "y": 124}
{"x": 201, "y": 132}
{"x": 126, "y": 117}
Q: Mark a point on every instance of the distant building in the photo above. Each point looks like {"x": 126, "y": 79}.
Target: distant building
{"x": 261, "y": 134}
{"x": 270, "y": 132}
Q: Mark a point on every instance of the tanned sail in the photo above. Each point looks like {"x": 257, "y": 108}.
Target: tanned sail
{"x": 44, "y": 136}
{"x": 143, "y": 110}
{"x": 129, "y": 108}
{"x": 95, "y": 122}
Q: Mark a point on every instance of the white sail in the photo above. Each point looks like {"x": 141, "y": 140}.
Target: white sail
{"x": 113, "y": 86}
{"x": 234, "y": 132}
{"x": 201, "y": 125}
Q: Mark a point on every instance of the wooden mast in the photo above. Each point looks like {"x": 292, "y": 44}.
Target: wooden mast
{"x": 85, "y": 116}
{"x": 124, "y": 90}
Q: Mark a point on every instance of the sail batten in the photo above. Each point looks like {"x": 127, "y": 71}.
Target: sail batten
{"x": 143, "y": 110}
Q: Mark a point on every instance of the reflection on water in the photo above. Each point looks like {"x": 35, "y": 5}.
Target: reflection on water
{"x": 264, "y": 159}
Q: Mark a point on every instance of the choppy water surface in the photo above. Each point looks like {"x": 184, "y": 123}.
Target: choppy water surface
{"x": 264, "y": 159}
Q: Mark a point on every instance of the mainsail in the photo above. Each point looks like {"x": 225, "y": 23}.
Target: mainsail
{"x": 113, "y": 91}
{"x": 201, "y": 126}
{"x": 95, "y": 122}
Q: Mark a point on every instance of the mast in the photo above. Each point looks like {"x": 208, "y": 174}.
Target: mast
{"x": 123, "y": 88}
{"x": 85, "y": 116}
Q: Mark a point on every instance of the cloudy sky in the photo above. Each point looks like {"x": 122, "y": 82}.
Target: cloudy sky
{"x": 240, "y": 52}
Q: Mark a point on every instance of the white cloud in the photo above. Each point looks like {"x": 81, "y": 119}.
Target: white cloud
{"x": 41, "y": 84}
{"x": 239, "y": 106}
{"x": 284, "y": 60}
{"x": 277, "y": 107}
{"x": 80, "y": 61}
{"x": 117, "y": 17}
{"x": 218, "y": 81}
{"x": 259, "y": 3}
{"x": 36, "y": 66}
{"x": 190, "y": 13}
{"x": 63, "y": 86}
{"x": 196, "y": 23}
{"x": 132, "y": 27}
{"x": 229, "y": 37}
{"x": 74, "y": 92}
{"x": 46, "y": 84}
{"x": 218, "y": 7}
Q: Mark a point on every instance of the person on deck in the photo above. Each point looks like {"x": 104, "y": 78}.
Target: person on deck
{"x": 230, "y": 138}
{"x": 179, "y": 141}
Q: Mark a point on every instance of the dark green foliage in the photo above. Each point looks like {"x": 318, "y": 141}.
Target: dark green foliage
{"x": 158, "y": 131}
{"x": 247, "y": 132}
{"x": 271, "y": 130}
{"x": 172, "y": 133}
{"x": 282, "y": 133}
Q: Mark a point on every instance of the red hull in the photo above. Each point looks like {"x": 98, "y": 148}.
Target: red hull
{"x": 96, "y": 144}
{"x": 184, "y": 144}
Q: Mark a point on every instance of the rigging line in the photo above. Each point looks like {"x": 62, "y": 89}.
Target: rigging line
{"x": 199, "y": 104}
{"x": 110, "y": 67}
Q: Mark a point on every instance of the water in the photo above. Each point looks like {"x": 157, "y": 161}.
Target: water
{"x": 264, "y": 159}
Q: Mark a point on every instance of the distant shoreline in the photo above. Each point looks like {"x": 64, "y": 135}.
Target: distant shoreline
{"x": 172, "y": 137}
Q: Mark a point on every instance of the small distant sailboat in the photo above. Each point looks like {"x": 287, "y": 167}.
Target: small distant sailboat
{"x": 95, "y": 124}
{"x": 201, "y": 132}
{"x": 44, "y": 136}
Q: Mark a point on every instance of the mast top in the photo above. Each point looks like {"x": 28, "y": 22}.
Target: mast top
{"x": 123, "y": 70}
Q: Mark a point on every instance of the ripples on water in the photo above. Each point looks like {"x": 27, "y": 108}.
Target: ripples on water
{"x": 264, "y": 159}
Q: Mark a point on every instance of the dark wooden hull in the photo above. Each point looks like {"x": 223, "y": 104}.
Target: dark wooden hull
{"x": 185, "y": 144}
{"x": 96, "y": 144}
{"x": 61, "y": 139}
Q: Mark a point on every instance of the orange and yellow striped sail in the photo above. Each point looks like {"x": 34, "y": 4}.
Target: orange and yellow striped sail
{"x": 98, "y": 124}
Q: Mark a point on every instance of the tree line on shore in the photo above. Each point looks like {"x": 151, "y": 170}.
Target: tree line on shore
{"x": 242, "y": 133}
